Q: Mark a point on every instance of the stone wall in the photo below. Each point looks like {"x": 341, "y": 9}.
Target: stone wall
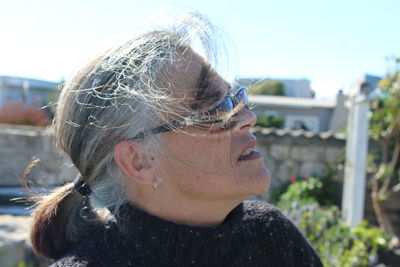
{"x": 286, "y": 154}
{"x": 298, "y": 153}
{"x": 19, "y": 145}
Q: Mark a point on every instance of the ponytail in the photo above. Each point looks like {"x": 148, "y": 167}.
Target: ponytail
{"x": 58, "y": 222}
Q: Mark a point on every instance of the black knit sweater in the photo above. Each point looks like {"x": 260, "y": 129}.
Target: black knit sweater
{"x": 253, "y": 234}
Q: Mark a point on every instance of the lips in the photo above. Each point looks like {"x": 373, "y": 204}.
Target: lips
{"x": 249, "y": 152}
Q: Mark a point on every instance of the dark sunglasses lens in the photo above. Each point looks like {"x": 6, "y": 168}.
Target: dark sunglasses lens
{"x": 241, "y": 96}
{"x": 216, "y": 113}
{"x": 224, "y": 108}
{"x": 226, "y": 105}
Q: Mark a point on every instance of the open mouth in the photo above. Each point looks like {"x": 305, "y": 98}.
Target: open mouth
{"x": 249, "y": 153}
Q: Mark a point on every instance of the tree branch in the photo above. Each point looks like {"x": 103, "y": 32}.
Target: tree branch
{"x": 392, "y": 166}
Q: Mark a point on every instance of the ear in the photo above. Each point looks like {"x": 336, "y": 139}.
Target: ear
{"x": 133, "y": 162}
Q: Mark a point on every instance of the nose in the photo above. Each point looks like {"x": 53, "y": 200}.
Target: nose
{"x": 245, "y": 120}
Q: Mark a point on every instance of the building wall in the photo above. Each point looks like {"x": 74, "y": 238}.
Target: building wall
{"x": 9, "y": 95}
{"x": 293, "y": 87}
{"x": 297, "y": 88}
{"x": 29, "y": 91}
{"x": 322, "y": 114}
{"x": 340, "y": 114}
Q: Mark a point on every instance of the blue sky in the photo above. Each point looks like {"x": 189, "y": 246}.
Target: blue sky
{"x": 331, "y": 43}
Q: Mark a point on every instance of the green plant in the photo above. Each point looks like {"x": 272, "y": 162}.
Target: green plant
{"x": 384, "y": 155}
{"x": 335, "y": 242}
{"x": 268, "y": 87}
{"x": 278, "y": 190}
{"x": 302, "y": 192}
{"x": 23, "y": 264}
{"x": 307, "y": 190}
{"x": 269, "y": 121}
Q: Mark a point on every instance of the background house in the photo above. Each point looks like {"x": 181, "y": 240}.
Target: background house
{"x": 29, "y": 91}
{"x": 300, "y": 111}
{"x": 303, "y": 113}
{"x": 292, "y": 87}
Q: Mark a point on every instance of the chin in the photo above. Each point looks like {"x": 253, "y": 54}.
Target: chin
{"x": 259, "y": 182}
{"x": 264, "y": 184}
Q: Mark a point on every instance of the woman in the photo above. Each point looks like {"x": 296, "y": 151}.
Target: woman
{"x": 166, "y": 160}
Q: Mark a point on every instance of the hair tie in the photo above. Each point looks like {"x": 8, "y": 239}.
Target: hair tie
{"x": 81, "y": 186}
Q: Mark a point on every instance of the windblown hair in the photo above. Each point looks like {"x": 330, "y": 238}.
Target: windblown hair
{"x": 121, "y": 93}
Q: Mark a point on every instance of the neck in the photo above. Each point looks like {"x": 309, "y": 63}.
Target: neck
{"x": 187, "y": 211}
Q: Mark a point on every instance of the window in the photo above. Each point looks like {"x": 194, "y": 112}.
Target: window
{"x": 296, "y": 122}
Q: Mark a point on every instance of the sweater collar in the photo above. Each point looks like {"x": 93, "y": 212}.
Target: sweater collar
{"x": 139, "y": 227}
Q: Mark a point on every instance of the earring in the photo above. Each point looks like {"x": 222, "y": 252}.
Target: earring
{"x": 85, "y": 211}
{"x": 155, "y": 185}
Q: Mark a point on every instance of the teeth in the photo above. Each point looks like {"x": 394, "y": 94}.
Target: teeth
{"x": 248, "y": 151}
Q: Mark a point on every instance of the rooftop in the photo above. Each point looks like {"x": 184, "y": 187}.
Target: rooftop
{"x": 21, "y": 82}
{"x": 295, "y": 102}
{"x": 259, "y": 131}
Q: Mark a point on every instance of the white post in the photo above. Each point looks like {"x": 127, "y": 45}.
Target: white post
{"x": 356, "y": 158}
{"x": 25, "y": 91}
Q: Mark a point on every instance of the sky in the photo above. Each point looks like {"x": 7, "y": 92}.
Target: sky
{"x": 330, "y": 43}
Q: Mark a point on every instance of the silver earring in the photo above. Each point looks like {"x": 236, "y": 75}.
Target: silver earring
{"x": 155, "y": 186}
{"x": 85, "y": 211}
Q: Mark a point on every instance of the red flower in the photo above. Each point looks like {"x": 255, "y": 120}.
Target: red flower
{"x": 306, "y": 176}
{"x": 293, "y": 180}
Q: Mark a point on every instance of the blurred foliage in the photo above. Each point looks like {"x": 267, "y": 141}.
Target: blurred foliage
{"x": 24, "y": 114}
{"x": 384, "y": 152}
{"x": 269, "y": 121}
{"x": 278, "y": 191}
{"x": 23, "y": 264}
{"x": 334, "y": 241}
{"x": 268, "y": 87}
{"x": 307, "y": 189}
{"x": 325, "y": 190}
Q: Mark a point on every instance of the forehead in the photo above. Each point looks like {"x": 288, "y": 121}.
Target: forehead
{"x": 188, "y": 70}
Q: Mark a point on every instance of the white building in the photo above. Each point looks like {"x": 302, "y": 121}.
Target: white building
{"x": 293, "y": 87}
{"x": 303, "y": 113}
{"x": 30, "y": 91}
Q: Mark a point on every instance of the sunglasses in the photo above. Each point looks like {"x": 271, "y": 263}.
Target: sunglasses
{"x": 215, "y": 118}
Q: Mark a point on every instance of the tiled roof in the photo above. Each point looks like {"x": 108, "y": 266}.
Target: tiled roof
{"x": 20, "y": 82}
{"x": 298, "y": 133}
{"x": 283, "y": 101}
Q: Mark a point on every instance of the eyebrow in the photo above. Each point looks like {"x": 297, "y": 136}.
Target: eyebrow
{"x": 203, "y": 80}
{"x": 205, "y": 90}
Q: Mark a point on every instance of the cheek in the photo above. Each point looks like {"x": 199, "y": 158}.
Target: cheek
{"x": 199, "y": 166}
{"x": 209, "y": 153}
{"x": 197, "y": 154}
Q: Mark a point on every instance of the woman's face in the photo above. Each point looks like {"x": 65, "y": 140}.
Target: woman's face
{"x": 198, "y": 164}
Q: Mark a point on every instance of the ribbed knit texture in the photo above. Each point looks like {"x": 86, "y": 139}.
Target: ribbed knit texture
{"x": 253, "y": 234}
